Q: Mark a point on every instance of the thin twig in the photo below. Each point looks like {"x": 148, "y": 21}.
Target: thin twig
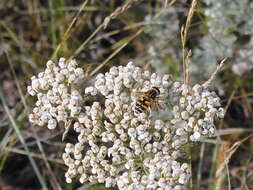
{"x": 167, "y": 4}
{"x": 247, "y": 105}
{"x": 219, "y": 66}
{"x": 131, "y": 26}
{"x": 189, "y": 20}
{"x": 23, "y": 152}
{"x": 122, "y": 46}
{"x": 187, "y": 75}
{"x": 239, "y": 97}
{"x": 207, "y": 83}
{"x": 55, "y": 183}
{"x": 17, "y": 81}
{"x": 232, "y": 131}
{"x": 226, "y": 107}
{"x": 228, "y": 155}
{"x": 67, "y": 33}
{"x": 184, "y": 32}
{"x": 118, "y": 11}
{"x": 105, "y": 23}
{"x": 115, "y": 52}
{"x": 199, "y": 174}
{"x": 67, "y": 128}
{"x": 81, "y": 47}
{"x": 21, "y": 139}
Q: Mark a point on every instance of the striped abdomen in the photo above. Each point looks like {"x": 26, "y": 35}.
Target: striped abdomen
{"x": 147, "y": 100}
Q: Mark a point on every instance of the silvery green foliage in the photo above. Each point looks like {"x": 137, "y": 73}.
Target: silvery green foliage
{"x": 226, "y": 20}
{"x": 164, "y": 32}
{"x": 243, "y": 60}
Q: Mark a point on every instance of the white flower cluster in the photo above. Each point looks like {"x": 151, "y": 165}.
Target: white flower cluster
{"x": 194, "y": 112}
{"x": 117, "y": 145}
{"x": 139, "y": 151}
{"x": 58, "y": 99}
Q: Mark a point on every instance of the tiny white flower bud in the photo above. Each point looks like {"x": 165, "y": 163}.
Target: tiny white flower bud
{"x": 196, "y": 135}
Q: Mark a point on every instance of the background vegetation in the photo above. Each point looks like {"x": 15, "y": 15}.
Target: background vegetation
{"x": 100, "y": 34}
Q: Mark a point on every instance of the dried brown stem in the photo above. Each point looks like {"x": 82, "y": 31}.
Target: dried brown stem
{"x": 115, "y": 53}
{"x": 184, "y": 32}
{"x": 23, "y": 152}
{"x": 187, "y": 75}
{"x": 219, "y": 66}
{"x": 118, "y": 11}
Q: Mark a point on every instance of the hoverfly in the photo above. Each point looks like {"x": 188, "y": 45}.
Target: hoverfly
{"x": 147, "y": 100}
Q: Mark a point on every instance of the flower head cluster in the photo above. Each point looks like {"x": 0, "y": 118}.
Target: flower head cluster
{"x": 194, "y": 112}
{"x": 55, "y": 89}
{"x": 116, "y": 145}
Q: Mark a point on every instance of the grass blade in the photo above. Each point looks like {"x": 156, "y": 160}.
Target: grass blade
{"x": 21, "y": 139}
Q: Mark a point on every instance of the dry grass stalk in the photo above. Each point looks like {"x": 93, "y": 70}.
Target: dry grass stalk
{"x": 35, "y": 155}
{"x": 226, "y": 108}
{"x": 67, "y": 128}
{"x": 184, "y": 32}
{"x": 224, "y": 156}
{"x": 186, "y": 73}
{"x": 115, "y": 52}
{"x": 234, "y": 131}
{"x": 53, "y": 180}
{"x": 167, "y": 3}
{"x": 66, "y": 35}
{"x": 221, "y": 158}
{"x": 118, "y": 11}
{"x": 218, "y": 68}
{"x": 105, "y": 23}
{"x": 247, "y": 105}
